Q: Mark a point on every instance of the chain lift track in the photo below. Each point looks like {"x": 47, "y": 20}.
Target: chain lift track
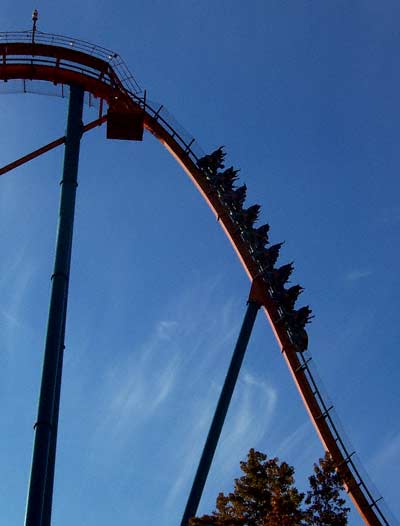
{"x": 27, "y": 57}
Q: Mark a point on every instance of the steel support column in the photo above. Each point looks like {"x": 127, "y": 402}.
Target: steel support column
{"x": 222, "y": 408}
{"x": 48, "y": 491}
{"x": 57, "y": 312}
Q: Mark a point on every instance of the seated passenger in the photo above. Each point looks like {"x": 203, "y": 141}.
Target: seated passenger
{"x": 302, "y": 316}
{"x": 237, "y": 197}
{"x": 204, "y": 162}
{"x": 269, "y": 256}
{"x": 250, "y": 215}
{"x": 212, "y": 162}
{"x": 259, "y": 236}
{"x": 287, "y": 297}
{"x": 300, "y": 339}
{"x": 282, "y": 274}
{"x": 226, "y": 179}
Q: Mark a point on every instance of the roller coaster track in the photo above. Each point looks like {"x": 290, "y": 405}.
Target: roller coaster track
{"x": 26, "y": 58}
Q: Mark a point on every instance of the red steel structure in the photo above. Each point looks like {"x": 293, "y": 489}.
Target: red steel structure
{"x": 27, "y": 57}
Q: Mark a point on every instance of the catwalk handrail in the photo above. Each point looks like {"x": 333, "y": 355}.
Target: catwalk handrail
{"x": 112, "y": 58}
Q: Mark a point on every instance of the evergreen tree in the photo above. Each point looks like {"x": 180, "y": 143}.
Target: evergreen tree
{"x": 264, "y": 496}
{"x": 326, "y": 507}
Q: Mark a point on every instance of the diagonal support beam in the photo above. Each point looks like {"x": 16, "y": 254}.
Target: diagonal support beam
{"x": 254, "y": 303}
{"x": 48, "y": 147}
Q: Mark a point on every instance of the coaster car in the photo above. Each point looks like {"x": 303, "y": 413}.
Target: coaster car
{"x": 300, "y": 339}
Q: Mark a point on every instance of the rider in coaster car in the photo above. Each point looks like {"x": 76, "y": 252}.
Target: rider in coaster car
{"x": 259, "y": 237}
{"x": 301, "y": 317}
{"x": 269, "y": 256}
{"x": 298, "y": 321}
{"x": 288, "y": 297}
{"x": 249, "y": 216}
{"x": 300, "y": 339}
{"x": 237, "y": 197}
{"x": 279, "y": 276}
{"x": 225, "y": 180}
{"x": 212, "y": 162}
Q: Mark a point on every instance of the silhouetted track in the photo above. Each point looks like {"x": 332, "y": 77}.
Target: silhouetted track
{"x": 105, "y": 77}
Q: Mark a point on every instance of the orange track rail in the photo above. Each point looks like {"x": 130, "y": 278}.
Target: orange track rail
{"x": 62, "y": 65}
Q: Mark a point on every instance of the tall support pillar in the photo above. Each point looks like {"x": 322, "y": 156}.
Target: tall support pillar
{"x": 217, "y": 423}
{"x": 47, "y": 410}
{"x": 48, "y": 492}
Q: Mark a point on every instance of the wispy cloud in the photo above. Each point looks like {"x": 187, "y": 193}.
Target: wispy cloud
{"x": 171, "y": 364}
{"x": 142, "y": 382}
{"x": 243, "y": 429}
{"x": 165, "y": 329}
{"x": 389, "y": 453}
{"x": 390, "y": 216}
{"x": 14, "y": 284}
{"x": 193, "y": 442}
{"x": 357, "y": 274}
{"x": 172, "y": 381}
{"x": 255, "y": 392}
{"x": 294, "y": 440}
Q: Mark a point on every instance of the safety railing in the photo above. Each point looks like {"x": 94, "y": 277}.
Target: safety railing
{"x": 113, "y": 59}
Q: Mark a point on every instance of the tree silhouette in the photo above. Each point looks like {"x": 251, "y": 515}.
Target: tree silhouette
{"x": 326, "y": 507}
{"x": 265, "y": 495}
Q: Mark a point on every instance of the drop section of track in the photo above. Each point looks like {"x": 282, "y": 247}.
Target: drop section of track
{"x": 107, "y": 82}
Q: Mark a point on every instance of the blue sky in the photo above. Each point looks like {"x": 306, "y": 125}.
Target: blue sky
{"x": 304, "y": 95}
